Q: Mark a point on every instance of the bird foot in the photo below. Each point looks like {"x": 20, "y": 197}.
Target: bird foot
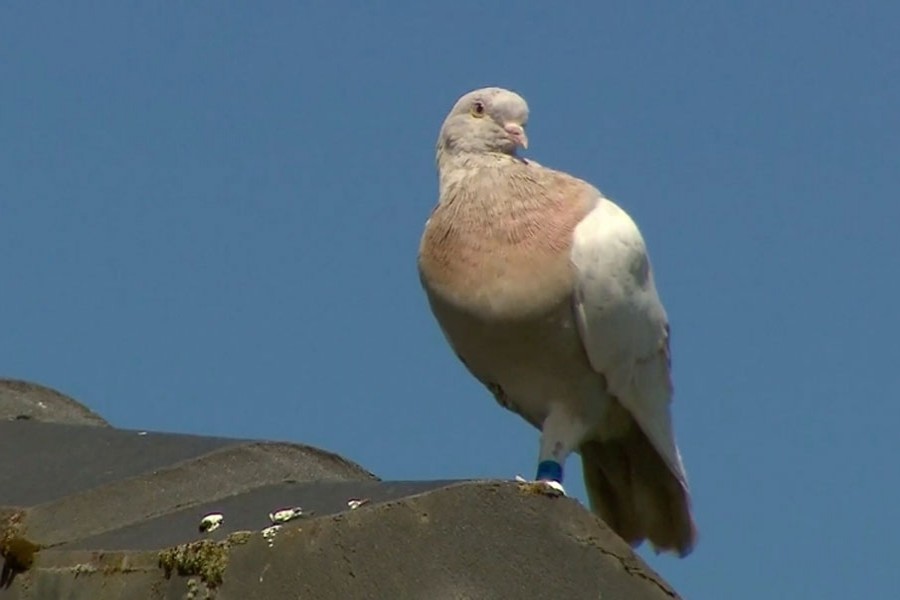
{"x": 544, "y": 487}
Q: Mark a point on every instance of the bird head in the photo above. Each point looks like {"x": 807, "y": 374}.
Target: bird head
{"x": 489, "y": 120}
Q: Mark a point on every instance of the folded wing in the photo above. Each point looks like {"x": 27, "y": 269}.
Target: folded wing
{"x": 623, "y": 324}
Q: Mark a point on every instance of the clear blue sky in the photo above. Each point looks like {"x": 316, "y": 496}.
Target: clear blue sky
{"x": 209, "y": 218}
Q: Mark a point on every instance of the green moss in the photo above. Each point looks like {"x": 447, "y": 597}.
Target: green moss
{"x": 205, "y": 559}
{"x": 18, "y": 551}
{"x": 193, "y": 589}
{"x": 238, "y": 537}
{"x": 539, "y": 488}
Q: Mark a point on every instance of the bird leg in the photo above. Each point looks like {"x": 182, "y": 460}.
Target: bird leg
{"x": 549, "y": 470}
{"x": 560, "y": 435}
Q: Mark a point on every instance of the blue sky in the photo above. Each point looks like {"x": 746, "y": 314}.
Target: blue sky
{"x": 209, "y": 217}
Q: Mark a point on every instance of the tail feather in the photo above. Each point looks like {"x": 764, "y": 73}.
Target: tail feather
{"x": 631, "y": 488}
{"x": 608, "y": 483}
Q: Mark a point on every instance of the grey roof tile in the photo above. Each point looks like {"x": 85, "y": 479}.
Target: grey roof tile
{"x": 22, "y": 400}
{"x": 97, "y": 513}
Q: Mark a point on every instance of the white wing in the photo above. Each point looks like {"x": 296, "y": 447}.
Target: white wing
{"x": 623, "y": 324}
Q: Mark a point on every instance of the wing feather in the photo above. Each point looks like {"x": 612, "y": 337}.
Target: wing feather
{"x": 623, "y": 324}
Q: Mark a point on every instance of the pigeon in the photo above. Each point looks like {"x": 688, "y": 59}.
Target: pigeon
{"x": 543, "y": 288}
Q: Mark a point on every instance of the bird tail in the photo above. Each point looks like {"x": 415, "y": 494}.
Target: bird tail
{"x": 631, "y": 488}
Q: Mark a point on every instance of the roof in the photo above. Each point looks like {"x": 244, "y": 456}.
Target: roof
{"x": 89, "y": 511}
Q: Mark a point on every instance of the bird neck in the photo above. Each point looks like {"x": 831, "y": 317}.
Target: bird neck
{"x": 456, "y": 169}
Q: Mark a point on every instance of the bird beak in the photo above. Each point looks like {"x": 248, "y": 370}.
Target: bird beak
{"x": 517, "y": 134}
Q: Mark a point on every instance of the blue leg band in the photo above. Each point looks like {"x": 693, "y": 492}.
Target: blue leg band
{"x": 549, "y": 470}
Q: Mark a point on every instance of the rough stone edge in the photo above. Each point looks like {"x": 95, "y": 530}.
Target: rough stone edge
{"x": 186, "y": 574}
{"x": 141, "y": 499}
{"x": 29, "y": 394}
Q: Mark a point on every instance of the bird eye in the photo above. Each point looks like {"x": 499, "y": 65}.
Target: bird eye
{"x": 478, "y": 109}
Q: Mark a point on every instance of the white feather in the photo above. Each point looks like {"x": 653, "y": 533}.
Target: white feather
{"x": 623, "y": 324}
